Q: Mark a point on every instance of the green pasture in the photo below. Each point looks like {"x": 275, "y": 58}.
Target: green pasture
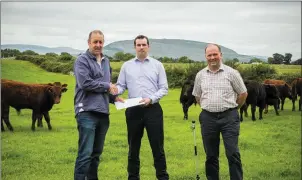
{"x": 282, "y": 68}
{"x": 270, "y": 148}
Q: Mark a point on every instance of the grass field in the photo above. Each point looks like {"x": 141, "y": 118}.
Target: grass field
{"x": 282, "y": 68}
{"x": 270, "y": 149}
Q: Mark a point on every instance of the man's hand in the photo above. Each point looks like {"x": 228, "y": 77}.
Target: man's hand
{"x": 113, "y": 89}
{"x": 146, "y": 101}
{"x": 119, "y": 99}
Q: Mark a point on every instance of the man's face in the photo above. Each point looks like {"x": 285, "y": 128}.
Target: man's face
{"x": 141, "y": 48}
{"x": 213, "y": 56}
{"x": 96, "y": 44}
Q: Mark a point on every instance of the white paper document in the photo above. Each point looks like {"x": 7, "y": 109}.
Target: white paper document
{"x": 128, "y": 103}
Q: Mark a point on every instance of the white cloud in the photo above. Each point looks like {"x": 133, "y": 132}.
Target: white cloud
{"x": 255, "y": 28}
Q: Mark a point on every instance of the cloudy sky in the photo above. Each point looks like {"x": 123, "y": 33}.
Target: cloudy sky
{"x": 251, "y": 28}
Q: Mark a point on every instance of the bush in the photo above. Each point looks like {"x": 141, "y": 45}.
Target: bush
{"x": 51, "y": 54}
{"x": 114, "y": 76}
{"x": 193, "y": 69}
{"x": 178, "y": 75}
{"x": 232, "y": 63}
{"x": 175, "y": 76}
{"x": 258, "y": 72}
{"x": 65, "y": 58}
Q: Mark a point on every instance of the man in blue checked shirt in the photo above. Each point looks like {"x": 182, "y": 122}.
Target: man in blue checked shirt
{"x": 144, "y": 77}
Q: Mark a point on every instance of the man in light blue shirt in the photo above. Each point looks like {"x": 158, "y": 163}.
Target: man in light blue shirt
{"x": 144, "y": 77}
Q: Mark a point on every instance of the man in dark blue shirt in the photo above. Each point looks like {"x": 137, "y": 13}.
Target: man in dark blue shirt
{"x": 91, "y": 102}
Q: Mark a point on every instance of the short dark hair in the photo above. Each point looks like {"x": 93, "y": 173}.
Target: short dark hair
{"x": 205, "y": 50}
{"x": 141, "y": 37}
{"x": 96, "y": 32}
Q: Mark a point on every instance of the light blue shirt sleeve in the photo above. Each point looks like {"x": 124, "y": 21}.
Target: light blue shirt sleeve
{"x": 162, "y": 85}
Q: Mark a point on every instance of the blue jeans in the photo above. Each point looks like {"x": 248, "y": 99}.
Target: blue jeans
{"x": 92, "y": 127}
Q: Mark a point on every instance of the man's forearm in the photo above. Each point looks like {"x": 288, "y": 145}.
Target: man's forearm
{"x": 241, "y": 99}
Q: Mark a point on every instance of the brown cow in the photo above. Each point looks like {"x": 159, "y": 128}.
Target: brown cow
{"x": 274, "y": 81}
{"x": 296, "y": 91}
{"x": 40, "y": 98}
{"x": 45, "y": 114}
{"x": 284, "y": 91}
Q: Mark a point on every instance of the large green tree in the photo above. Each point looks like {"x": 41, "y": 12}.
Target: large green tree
{"x": 9, "y": 52}
{"x": 270, "y": 60}
{"x": 29, "y": 52}
{"x": 121, "y": 56}
{"x": 287, "y": 58}
{"x": 278, "y": 58}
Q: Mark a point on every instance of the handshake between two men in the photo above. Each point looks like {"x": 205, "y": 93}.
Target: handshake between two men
{"x": 114, "y": 91}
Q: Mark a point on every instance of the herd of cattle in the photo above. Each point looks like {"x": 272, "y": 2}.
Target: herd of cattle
{"x": 38, "y": 97}
{"x": 270, "y": 92}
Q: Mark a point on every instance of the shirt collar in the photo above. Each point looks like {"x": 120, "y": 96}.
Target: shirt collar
{"x": 146, "y": 59}
{"x": 221, "y": 68}
{"x": 93, "y": 56}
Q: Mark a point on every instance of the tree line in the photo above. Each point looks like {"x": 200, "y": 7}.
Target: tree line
{"x": 121, "y": 56}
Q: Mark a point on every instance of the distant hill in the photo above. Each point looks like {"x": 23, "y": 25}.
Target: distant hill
{"x": 41, "y": 49}
{"x": 174, "y": 48}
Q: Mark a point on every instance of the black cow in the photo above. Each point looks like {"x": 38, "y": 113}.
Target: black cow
{"x": 256, "y": 97}
{"x": 272, "y": 96}
{"x": 186, "y": 97}
{"x": 285, "y": 91}
{"x": 259, "y": 95}
{"x": 297, "y": 91}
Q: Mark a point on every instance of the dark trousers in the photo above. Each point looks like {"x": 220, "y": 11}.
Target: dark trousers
{"x": 92, "y": 127}
{"x": 228, "y": 124}
{"x": 151, "y": 118}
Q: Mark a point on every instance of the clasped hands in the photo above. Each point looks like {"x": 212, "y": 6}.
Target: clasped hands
{"x": 113, "y": 89}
